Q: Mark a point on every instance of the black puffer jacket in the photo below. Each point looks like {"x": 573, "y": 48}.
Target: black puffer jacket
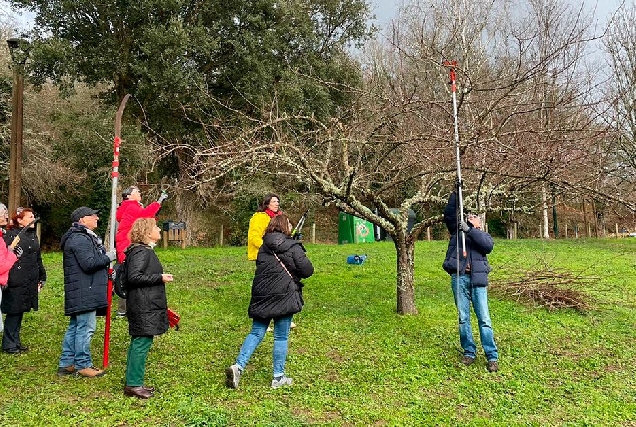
{"x": 85, "y": 271}
{"x": 21, "y": 293}
{"x": 478, "y": 245}
{"x": 146, "y": 305}
{"x": 274, "y": 292}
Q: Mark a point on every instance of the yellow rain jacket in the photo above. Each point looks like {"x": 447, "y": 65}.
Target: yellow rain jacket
{"x": 258, "y": 224}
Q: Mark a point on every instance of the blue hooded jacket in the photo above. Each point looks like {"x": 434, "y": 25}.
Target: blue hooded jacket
{"x": 478, "y": 245}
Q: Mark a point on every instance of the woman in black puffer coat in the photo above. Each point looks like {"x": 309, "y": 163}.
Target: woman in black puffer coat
{"x": 276, "y": 294}
{"x": 26, "y": 279}
{"x": 146, "y": 302}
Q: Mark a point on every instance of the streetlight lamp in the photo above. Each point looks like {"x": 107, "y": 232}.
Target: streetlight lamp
{"x": 18, "y": 50}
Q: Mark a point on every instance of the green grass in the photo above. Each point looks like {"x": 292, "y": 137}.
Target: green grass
{"x": 353, "y": 360}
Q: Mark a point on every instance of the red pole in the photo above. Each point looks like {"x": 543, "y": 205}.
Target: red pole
{"x": 113, "y": 209}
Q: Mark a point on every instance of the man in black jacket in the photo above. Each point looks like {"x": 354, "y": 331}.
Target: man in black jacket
{"x": 85, "y": 291}
{"x": 469, "y": 281}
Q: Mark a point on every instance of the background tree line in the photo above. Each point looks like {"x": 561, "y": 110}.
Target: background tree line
{"x": 232, "y": 100}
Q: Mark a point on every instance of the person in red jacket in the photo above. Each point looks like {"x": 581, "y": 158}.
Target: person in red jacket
{"x": 130, "y": 209}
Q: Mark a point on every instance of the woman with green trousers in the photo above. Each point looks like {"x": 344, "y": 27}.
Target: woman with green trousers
{"x": 146, "y": 302}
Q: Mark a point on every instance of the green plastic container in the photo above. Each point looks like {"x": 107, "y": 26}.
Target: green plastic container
{"x": 352, "y": 229}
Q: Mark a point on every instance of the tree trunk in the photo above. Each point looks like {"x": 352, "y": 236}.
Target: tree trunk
{"x": 585, "y": 223}
{"x": 544, "y": 202}
{"x": 405, "y": 248}
{"x": 555, "y": 223}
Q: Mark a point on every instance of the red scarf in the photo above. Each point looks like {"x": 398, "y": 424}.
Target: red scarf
{"x": 271, "y": 213}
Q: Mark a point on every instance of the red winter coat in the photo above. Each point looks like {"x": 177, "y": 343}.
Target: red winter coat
{"x": 127, "y": 213}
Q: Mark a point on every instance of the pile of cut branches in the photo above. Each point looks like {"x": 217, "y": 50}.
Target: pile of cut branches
{"x": 548, "y": 287}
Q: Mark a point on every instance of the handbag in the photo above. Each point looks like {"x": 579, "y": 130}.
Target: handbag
{"x": 173, "y": 319}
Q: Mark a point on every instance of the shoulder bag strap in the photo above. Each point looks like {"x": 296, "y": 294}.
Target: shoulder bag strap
{"x": 284, "y": 267}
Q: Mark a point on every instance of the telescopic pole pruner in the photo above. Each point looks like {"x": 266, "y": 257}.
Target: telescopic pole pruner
{"x": 113, "y": 210}
{"x": 460, "y": 199}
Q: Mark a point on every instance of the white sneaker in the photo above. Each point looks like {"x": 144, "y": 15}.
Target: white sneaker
{"x": 282, "y": 381}
{"x": 232, "y": 376}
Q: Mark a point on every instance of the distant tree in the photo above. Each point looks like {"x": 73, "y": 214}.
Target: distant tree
{"x": 170, "y": 55}
{"x": 167, "y": 53}
{"x": 620, "y": 45}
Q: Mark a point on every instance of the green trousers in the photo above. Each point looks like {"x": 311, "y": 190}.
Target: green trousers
{"x": 136, "y": 363}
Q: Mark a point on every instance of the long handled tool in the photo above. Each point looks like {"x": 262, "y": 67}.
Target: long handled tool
{"x": 297, "y": 231}
{"x": 16, "y": 239}
{"x": 113, "y": 209}
{"x": 460, "y": 199}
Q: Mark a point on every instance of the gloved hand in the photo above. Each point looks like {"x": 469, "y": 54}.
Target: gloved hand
{"x": 18, "y": 251}
{"x": 464, "y": 227}
{"x": 162, "y": 197}
{"x": 112, "y": 255}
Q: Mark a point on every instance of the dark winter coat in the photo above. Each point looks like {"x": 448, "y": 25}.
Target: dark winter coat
{"x": 478, "y": 245}
{"x": 85, "y": 271}
{"x": 21, "y": 293}
{"x": 274, "y": 292}
{"x": 146, "y": 305}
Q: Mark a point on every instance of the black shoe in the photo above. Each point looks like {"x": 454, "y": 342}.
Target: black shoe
{"x": 23, "y": 349}
{"x": 68, "y": 370}
{"x": 11, "y": 350}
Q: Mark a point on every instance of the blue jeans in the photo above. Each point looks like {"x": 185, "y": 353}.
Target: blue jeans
{"x": 76, "y": 347}
{"x": 465, "y": 294}
{"x": 254, "y": 338}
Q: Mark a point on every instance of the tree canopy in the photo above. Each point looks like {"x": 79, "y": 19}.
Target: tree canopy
{"x": 167, "y": 53}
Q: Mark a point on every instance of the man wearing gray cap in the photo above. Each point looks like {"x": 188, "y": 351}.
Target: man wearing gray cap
{"x": 86, "y": 264}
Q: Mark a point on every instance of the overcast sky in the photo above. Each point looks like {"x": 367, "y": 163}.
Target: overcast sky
{"x": 385, "y": 9}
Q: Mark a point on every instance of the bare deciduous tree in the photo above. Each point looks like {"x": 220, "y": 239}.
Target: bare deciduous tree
{"x": 524, "y": 121}
{"x": 620, "y": 45}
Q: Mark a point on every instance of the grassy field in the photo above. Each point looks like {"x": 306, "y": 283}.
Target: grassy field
{"x": 353, "y": 360}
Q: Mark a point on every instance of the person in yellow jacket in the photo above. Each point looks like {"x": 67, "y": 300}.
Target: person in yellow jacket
{"x": 269, "y": 208}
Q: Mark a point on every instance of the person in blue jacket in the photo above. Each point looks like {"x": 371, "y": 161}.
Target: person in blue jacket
{"x": 470, "y": 286}
{"x": 86, "y": 263}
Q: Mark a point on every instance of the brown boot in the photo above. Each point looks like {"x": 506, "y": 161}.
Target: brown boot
{"x": 90, "y": 372}
{"x": 139, "y": 392}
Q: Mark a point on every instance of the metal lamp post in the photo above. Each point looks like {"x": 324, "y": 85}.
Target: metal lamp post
{"x": 17, "y": 48}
